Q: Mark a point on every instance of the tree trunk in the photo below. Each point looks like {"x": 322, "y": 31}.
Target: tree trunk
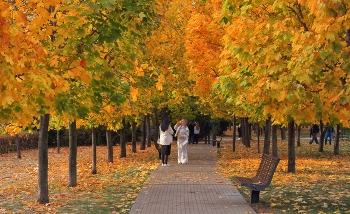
{"x": 58, "y": 142}
{"x": 291, "y": 147}
{"x": 43, "y": 160}
{"x": 148, "y": 131}
{"x": 274, "y": 141}
{"x": 109, "y": 146}
{"x": 156, "y": 128}
{"x": 298, "y": 135}
{"x": 133, "y": 136}
{"x": 258, "y": 138}
{"x": 267, "y": 136}
{"x": 245, "y": 132}
{"x": 234, "y": 134}
{"x": 18, "y": 145}
{"x": 122, "y": 141}
{"x": 72, "y": 154}
{"x": 322, "y": 133}
{"x": 143, "y": 134}
{"x": 336, "y": 140}
{"x": 93, "y": 136}
{"x": 283, "y": 133}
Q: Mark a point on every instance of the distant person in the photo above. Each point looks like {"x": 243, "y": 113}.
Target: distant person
{"x": 182, "y": 134}
{"x": 191, "y": 129}
{"x": 197, "y": 130}
{"x": 329, "y": 131}
{"x": 313, "y": 133}
{"x": 239, "y": 131}
{"x": 207, "y": 128}
{"x": 165, "y": 140}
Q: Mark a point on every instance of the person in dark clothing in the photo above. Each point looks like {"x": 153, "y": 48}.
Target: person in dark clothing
{"x": 207, "y": 128}
{"x": 313, "y": 133}
{"x": 191, "y": 135}
{"x": 329, "y": 131}
{"x": 239, "y": 131}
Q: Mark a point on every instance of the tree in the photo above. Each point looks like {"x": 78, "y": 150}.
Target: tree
{"x": 93, "y": 152}
{"x": 43, "y": 162}
{"x": 72, "y": 178}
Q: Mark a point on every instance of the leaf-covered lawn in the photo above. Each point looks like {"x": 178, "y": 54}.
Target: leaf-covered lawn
{"x": 321, "y": 183}
{"x": 112, "y": 190}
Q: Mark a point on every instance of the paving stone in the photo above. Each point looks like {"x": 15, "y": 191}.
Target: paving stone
{"x": 193, "y": 188}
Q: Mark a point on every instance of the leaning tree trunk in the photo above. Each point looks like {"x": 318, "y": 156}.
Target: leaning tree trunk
{"x": 133, "y": 137}
{"x": 291, "y": 147}
{"x": 18, "y": 145}
{"x": 143, "y": 134}
{"x": 93, "y": 136}
{"x": 109, "y": 146}
{"x": 122, "y": 141}
{"x": 298, "y": 135}
{"x": 72, "y": 154}
{"x": 245, "y": 132}
{"x": 234, "y": 134}
{"x": 283, "y": 133}
{"x": 148, "y": 131}
{"x": 267, "y": 136}
{"x": 336, "y": 143}
{"x": 58, "y": 141}
{"x": 43, "y": 160}
{"x": 274, "y": 141}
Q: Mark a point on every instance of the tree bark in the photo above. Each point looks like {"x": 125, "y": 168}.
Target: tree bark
{"x": 234, "y": 134}
{"x": 291, "y": 147}
{"x": 148, "y": 131}
{"x": 156, "y": 128}
{"x": 274, "y": 141}
{"x": 143, "y": 134}
{"x": 322, "y": 133}
{"x": 133, "y": 137}
{"x": 258, "y": 138}
{"x": 336, "y": 140}
{"x": 122, "y": 141}
{"x": 109, "y": 146}
{"x": 267, "y": 136}
{"x": 72, "y": 154}
{"x": 245, "y": 132}
{"x": 93, "y": 136}
{"x": 298, "y": 135}
{"x": 58, "y": 142}
{"x": 18, "y": 145}
{"x": 43, "y": 160}
{"x": 283, "y": 133}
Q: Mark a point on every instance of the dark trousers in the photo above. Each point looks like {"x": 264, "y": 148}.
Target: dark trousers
{"x": 314, "y": 138}
{"x": 195, "y": 138}
{"x": 207, "y": 138}
{"x": 191, "y": 138}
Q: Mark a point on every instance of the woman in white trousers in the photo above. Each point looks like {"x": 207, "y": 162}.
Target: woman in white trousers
{"x": 182, "y": 133}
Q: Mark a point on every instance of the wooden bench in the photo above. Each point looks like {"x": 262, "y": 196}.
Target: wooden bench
{"x": 262, "y": 178}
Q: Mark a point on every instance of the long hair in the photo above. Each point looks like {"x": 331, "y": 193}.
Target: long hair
{"x": 165, "y": 124}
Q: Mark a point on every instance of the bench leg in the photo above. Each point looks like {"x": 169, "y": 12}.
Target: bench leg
{"x": 254, "y": 196}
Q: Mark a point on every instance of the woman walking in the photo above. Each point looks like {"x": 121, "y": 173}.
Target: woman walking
{"x": 165, "y": 140}
{"x": 182, "y": 133}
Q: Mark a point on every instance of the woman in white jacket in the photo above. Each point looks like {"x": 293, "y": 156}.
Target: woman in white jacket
{"x": 165, "y": 140}
{"x": 182, "y": 133}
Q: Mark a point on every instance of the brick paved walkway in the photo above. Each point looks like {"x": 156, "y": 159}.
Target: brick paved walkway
{"x": 194, "y": 188}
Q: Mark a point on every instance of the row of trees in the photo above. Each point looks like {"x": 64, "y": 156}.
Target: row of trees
{"x": 90, "y": 63}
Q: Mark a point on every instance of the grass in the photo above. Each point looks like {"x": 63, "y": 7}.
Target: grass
{"x": 112, "y": 190}
{"x": 321, "y": 183}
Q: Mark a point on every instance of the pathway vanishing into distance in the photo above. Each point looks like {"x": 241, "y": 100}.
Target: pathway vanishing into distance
{"x": 193, "y": 188}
